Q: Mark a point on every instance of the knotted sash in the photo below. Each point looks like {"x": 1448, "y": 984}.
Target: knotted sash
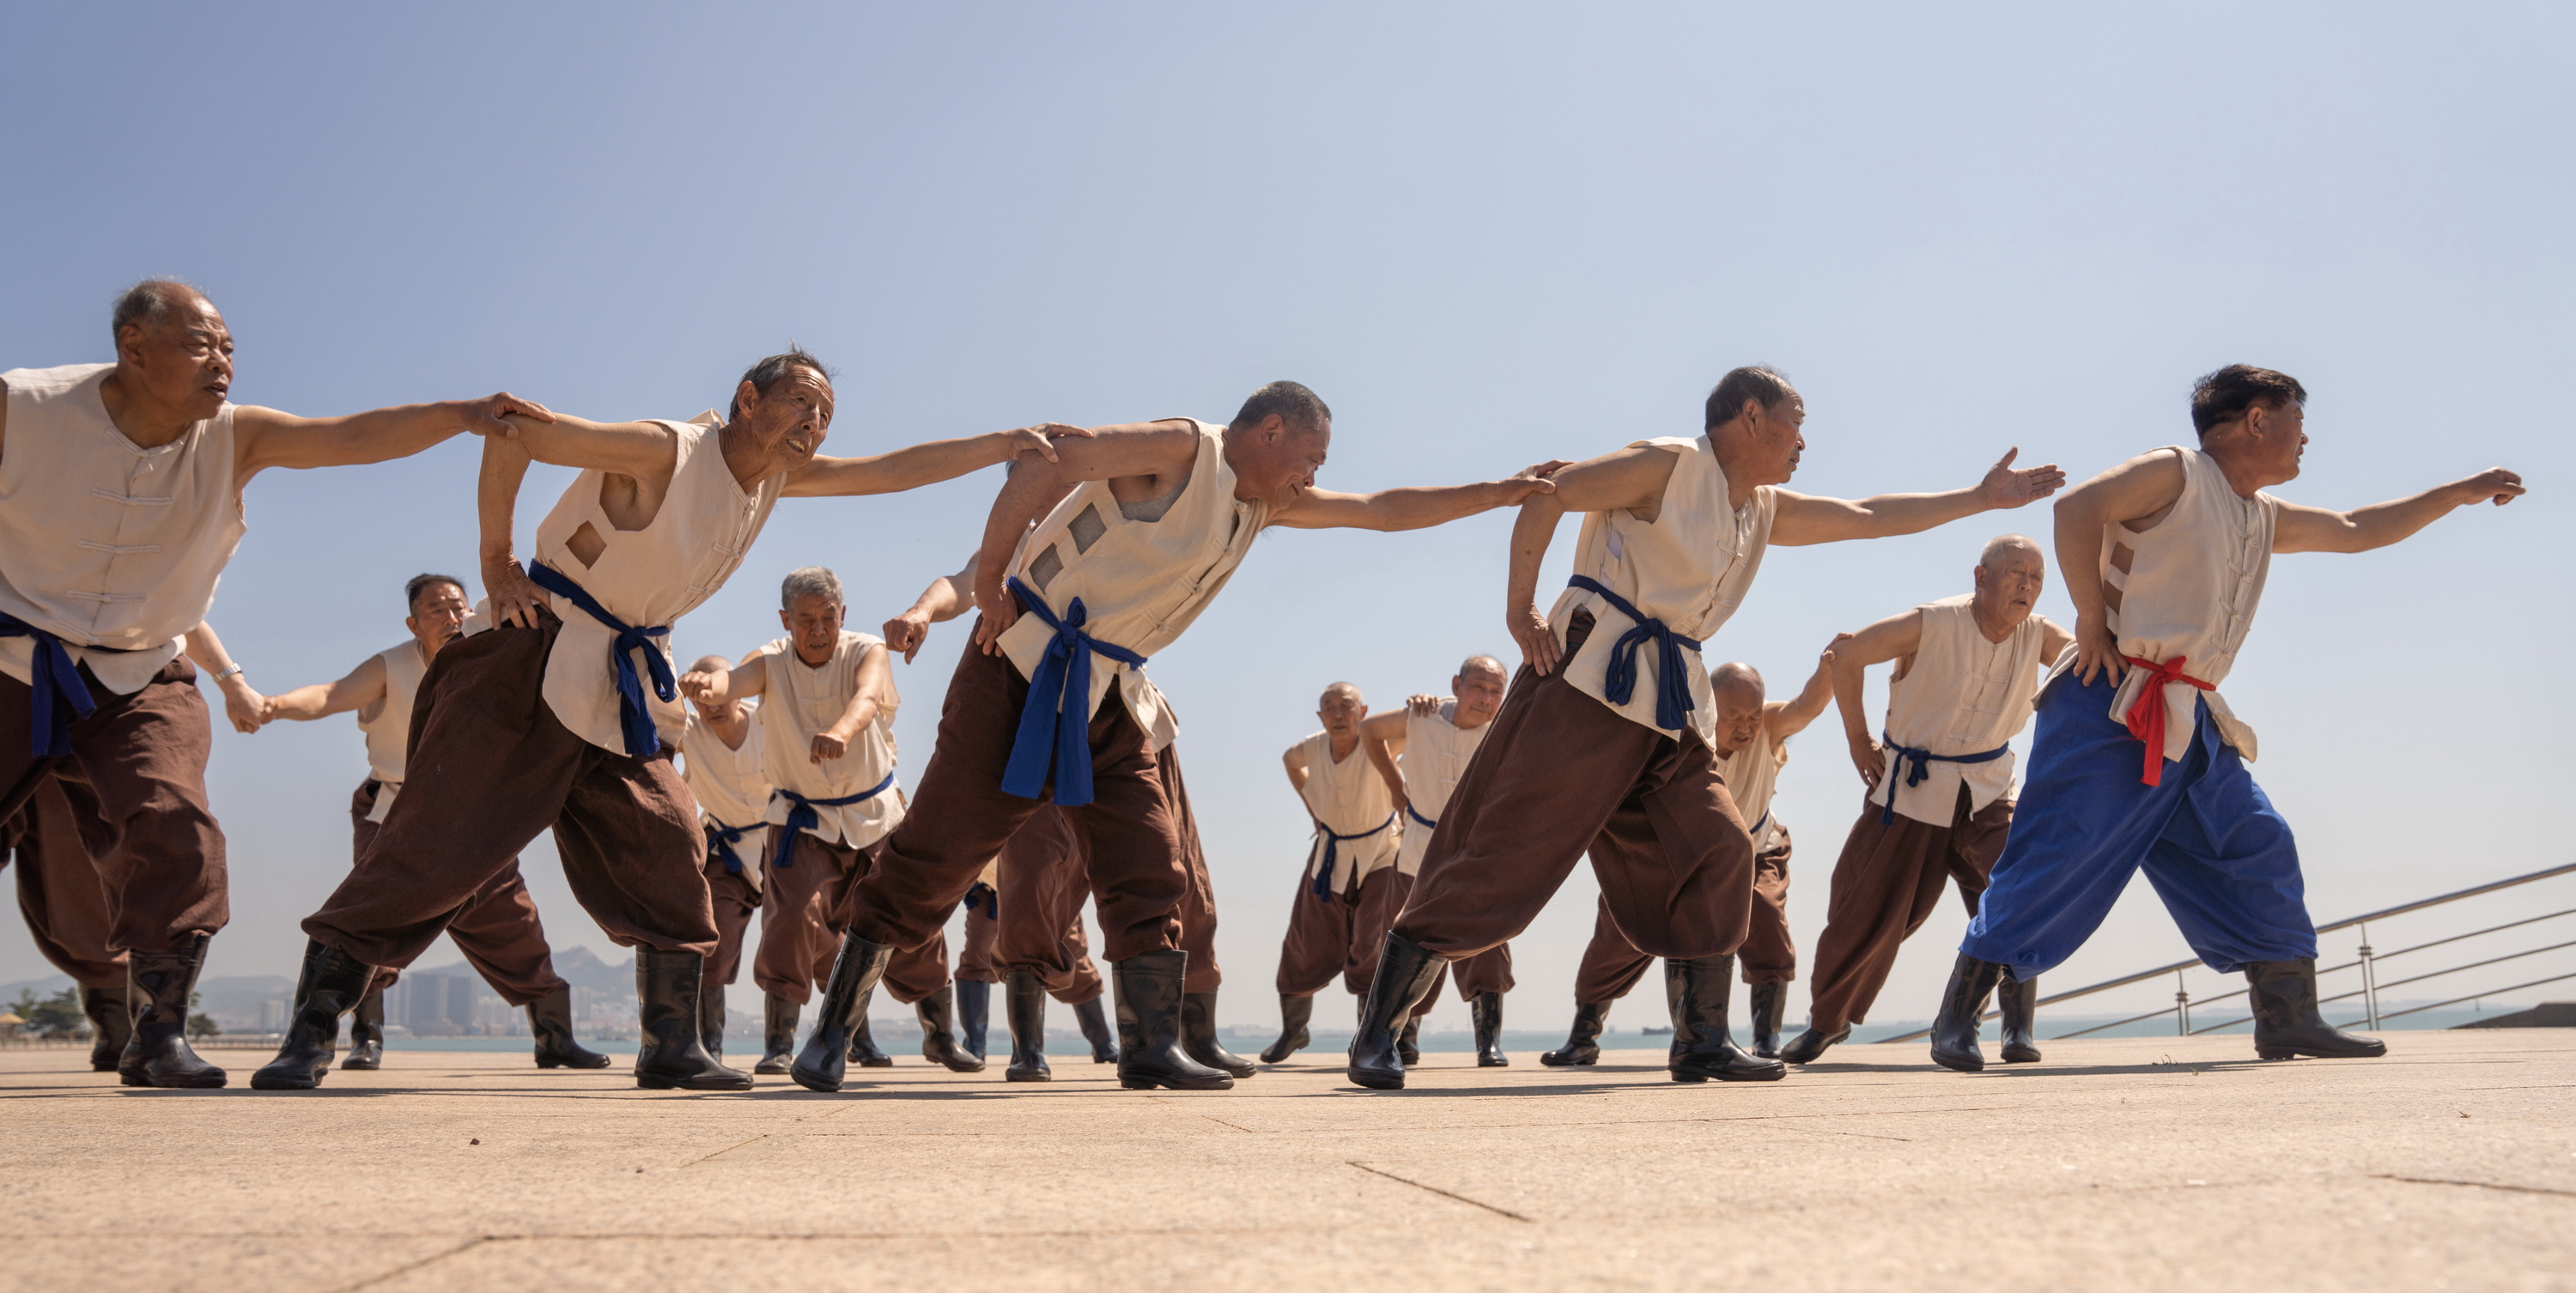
{"x": 634, "y": 721}
{"x": 1672, "y": 683}
{"x": 1056, "y": 722}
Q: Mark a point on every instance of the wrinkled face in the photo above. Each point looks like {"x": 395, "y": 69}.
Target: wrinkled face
{"x": 437, "y": 617}
{"x": 1774, "y": 439}
{"x": 814, "y": 625}
{"x": 2008, "y": 587}
{"x": 1341, "y": 712}
{"x": 789, "y": 423}
{"x": 2281, "y": 437}
{"x": 1480, "y": 694}
{"x": 1278, "y": 462}
{"x": 183, "y": 363}
{"x": 1739, "y": 718}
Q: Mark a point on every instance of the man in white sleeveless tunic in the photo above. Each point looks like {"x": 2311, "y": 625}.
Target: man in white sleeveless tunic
{"x": 1938, "y": 799}
{"x": 2138, "y": 763}
{"x": 515, "y": 736}
{"x": 1053, "y": 703}
{"x": 120, "y": 503}
{"x": 720, "y": 764}
{"x": 1614, "y": 751}
{"x": 1753, "y": 746}
{"x": 1350, "y": 861}
{"x": 497, "y": 928}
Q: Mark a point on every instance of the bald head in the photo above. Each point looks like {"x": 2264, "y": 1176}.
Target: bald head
{"x": 709, "y": 664}
{"x": 1736, "y": 679}
{"x": 1737, "y": 688}
{"x": 1347, "y": 692}
{"x": 1478, "y": 689}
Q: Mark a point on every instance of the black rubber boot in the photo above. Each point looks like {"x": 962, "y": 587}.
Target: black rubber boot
{"x": 1294, "y": 1013}
{"x": 844, "y": 1010}
{"x": 938, "y": 1032}
{"x": 331, "y": 984}
{"x": 367, "y": 1033}
{"x": 1024, "y": 1002}
{"x": 2020, "y": 1004}
{"x": 160, "y": 984}
{"x": 1198, "y": 1036}
{"x": 668, "y": 1053}
{"x": 777, "y": 1035}
{"x": 1487, "y": 1010}
{"x": 1583, "y": 1044}
{"x": 1811, "y": 1045}
{"x": 550, "y": 1022}
{"x": 1408, "y": 1044}
{"x": 1702, "y": 1046}
{"x": 863, "y": 1041}
{"x": 1963, "y": 1008}
{"x": 1770, "y": 1001}
{"x": 111, "y": 1025}
{"x": 974, "y": 1014}
{"x": 1093, "y": 1017}
{"x": 1149, "y": 1026}
{"x": 711, "y": 1017}
{"x": 1405, "y": 973}
{"x": 2286, "y": 1022}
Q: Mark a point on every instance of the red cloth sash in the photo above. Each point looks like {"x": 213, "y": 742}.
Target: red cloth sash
{"x": 2147, "y": 712}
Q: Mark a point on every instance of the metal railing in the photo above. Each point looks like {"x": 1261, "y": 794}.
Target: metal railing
{"x": 2366, "y": 960}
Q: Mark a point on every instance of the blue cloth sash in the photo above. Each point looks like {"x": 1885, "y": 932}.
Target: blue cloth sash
{"x": 1672, "y": 682}
{"x": 1923, "y": 761}
{"x": 1056, "y": 721}
{"x": 802, "y": 817}
{"x": 1324, "y": 870}
{"x": 1409, "y": 812}
{"x": 634, "y": 721}
{"x": 53, "y": 677}
{"x": 721, "y": 839}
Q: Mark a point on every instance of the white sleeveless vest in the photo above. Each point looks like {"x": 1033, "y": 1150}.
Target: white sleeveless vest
{"x": 729, "y": 786}
{"x": 1436, "y": 754}
{"x": 1141, "y": 582}
{"x": 1751, "y": 774}
{"x": 648, "y": 578}
{"x": 103, "y": 543}
{"x": 1963, "y": 695}
{"x": 387, "y": 723}
{"x": 804, "y": 701}
{"x": 1690, "y": 568}
{"x": 2190, "y": 590}
{"x": 1348, "y": 798}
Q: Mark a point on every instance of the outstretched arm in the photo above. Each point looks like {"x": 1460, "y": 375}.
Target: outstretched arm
{"x": 746, "y": 679}
{"x": 2314, "y": 529}
{"x": 364, "y": 686}
{"x": 1382, "y": 735}
{"x": 924, "y": 464}
{"x": 1151, "y": 450}
{"x": 1632, "y": 479}
{"x": 1805, "y": 519}
{"x": 875, "y": 688}
{"x": 1411, "y": 507}
{"x": 243, "y": 706}
{"x": 947, "y": 598}
{"x": 265, "y": 438}
{"x": 1893, "y": 638}
{"x": 1783, "y": 719}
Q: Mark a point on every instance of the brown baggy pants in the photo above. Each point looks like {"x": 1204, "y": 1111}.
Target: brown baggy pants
{"x": 1612, "y": 965}
{"x": 735, "y": 902}
{"x": 1886, "y": 884}
{"x": 138, "y": 763}
{"x": 1042, "y": 885}
{"x": 1563, "y": 774}
{"x": 960, "y": 817}
{"x": 497, "y": 929}
{"x": 58, "y": 888}
{"x": 800, "y": 928}
{"x": 490, "y": 766}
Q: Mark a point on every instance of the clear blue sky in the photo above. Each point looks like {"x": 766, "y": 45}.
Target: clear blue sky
{"x": 1487, "y": 234}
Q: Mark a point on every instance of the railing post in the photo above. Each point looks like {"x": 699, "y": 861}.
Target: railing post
{"x": 2182, "y": 1006}
{"x": 2369, "y": 980}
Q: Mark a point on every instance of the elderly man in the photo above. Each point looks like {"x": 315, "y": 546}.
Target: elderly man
{"x": 497, "y": 928}
{"x": 828, "y": 749}
{"x": 1350, "y": 864}
{"x": 720, "y": 763}
{"x": 120, "y": 504}
{"x": 2138, "y": 763}
{"x": 1054, "y": 703}
{"x": 1753, "y": 738}
{"x": 546, "y": 722}
{"x": 1615, "y": 751}
{"x": 1939, "y": 790}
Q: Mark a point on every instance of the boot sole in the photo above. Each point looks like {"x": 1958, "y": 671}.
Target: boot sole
{"x": 767, "y": 1069}
{"x": 1960, "y": 1063}
{"x": 193, "y": 1083}
{"x": 2294, "y": 1053}
{"x": 282, "y": 1082}
{"x": 1175, "y": 1084}
{"x": 1023, "y": 1075}
{"x": 370, "y": 1068}
{"x": 566, "y": 1064}
{"x": 1498, "y": 1062}
{"x": 1551, "y": 1061}
{"x": 1379, "y": 1081}
{"x": 2021, "y": 1057}
{"x": 680, "y": 1084}
{"x": 1693, "y": 1076}
{"x": 825, "y": 1086}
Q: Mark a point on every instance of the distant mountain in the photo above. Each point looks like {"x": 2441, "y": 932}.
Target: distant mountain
{"x": 582, "y": 968}
{"x": 48, "y": 986}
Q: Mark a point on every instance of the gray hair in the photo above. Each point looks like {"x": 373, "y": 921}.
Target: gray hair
{"x": 2005, "y": 543}
{"x": 1337, "y": 689}
{"x": 809, "y": 581}
{"x": 149, "y": 302}
{"x": 1482, "y": 664}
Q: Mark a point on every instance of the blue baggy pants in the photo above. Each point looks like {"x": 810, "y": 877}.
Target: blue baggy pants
{"x": 2211, "y": 844}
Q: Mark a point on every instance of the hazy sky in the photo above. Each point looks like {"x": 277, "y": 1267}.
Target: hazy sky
{"x": 1488, "y": 234}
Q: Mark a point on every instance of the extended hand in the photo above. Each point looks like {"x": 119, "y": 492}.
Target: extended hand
{"x": 1534, "y": 479}
{"x": 2005, "y": 488}
{"x": 999, "y": 611}
{"x": 1422, "y": 706}
{"x": 1870, "y": 759}
{"x": 1538, "y": 641}
{"x": 1040, "y": 439}
{"x": 515, "y": 597}
{"x": 830, "y": 745}
{"x": 906, "y": 633}
{"x": 2498, "y": 486}
{"x": 488, "y": 416}
{"x": 248, "y": 710}
{"x": 703, "y": 685}
{"x": 2097, "y": 652}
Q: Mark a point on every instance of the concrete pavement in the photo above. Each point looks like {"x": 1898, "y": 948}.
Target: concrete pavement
{"x": 2117, "y": 1164}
